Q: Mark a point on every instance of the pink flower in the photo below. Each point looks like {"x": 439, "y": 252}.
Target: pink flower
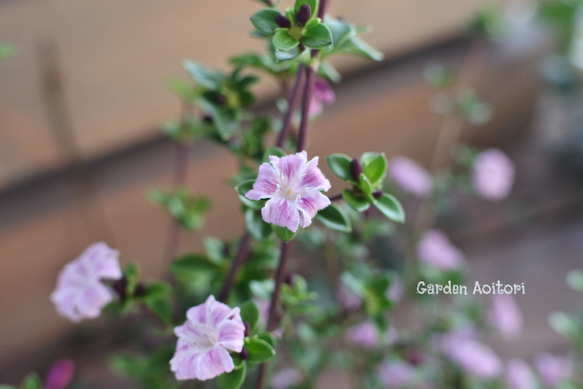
{"x": 395, "y": 291}
{"x": 80, "y": 293}
{"x": 435, "y": 249}
{"x": 60, "y": 374}
{"x": 347, "y": 298}
{"x": 410, "y": 177}
{"x": 519, "y": 375}
{"x": 506, "y": 315}
{"x": 493, "y": 175}
{"x": 205, "y": 339}
{"x": 364, "y": 335}
{"x": 293, "y": 186}
{"x": 286, "y": 378}
{"x": 396, "y": 374}
{"x": 322, "y": 94}
{"x": 552, "y": 369}
{"x": 472, "y": 356}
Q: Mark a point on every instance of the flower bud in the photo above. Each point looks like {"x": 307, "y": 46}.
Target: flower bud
{"x": 282, "y": 21}
{"x": 208, "y": 119}
{"x": 289, "y": 279}
{"x": 304, "y": 14}
{"x": 120, "y": 287}
{"x": 220, "y": 99}
{"x": 244, "y": 354}
{"x": 377, "y": 194}
{"x": 355, "y": 169}
{"x": 140, "y": 290}
{"x": 247, "y": 328}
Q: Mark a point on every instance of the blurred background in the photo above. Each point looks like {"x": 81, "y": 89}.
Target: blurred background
{"x": 84, "y": 94}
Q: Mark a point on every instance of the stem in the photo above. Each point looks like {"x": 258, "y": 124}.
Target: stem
{"x": 272, "y": 319}
{"x": 291, "y": 104}
{"x": 336, "y": 197}
{"x": 307, "y": 97}
{"x": 240, "y": 258}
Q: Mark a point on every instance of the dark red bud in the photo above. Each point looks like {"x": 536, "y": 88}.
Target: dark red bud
{"x": 377, "y": 194}
{"x": 120, "y": 287}
{"x": 304, "y": 14}
{"x": 247, "y": 328}
{"x": 282, "y": 21}
{"x": 207, "y": 119}
{"x": 220, "y": 99}
{"x": 244, "y": 354}
{"x": 140, "y": 290}
{"x": 355, "y": 169}
{"x": 415, "y": 357}
{"x": 289, "y": 279}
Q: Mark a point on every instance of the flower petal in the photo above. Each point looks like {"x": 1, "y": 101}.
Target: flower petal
{"x": 309, "y": 205}
{"x": 291, "y": 166}
{"x": 281, "y": 212}
{"x": 93, "y": 299}
{"x": 231, "y": 335}
{"x": 217, "y": 311}
{"x": 215, "y": 362}
{"x": 266, "y": 184}
{"x": 313, "y": 178}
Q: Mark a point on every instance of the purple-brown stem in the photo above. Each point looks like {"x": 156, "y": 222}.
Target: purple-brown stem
{"x": 291, "y": 108}
{"x": 335, "y": 197}
{"x": 240, "y": 257}
{"x": 272, "y": 318}
{"x": 307, "y": 98}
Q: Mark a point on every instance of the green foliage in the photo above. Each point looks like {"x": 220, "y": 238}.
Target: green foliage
{"x": 6, "y": 50}
{"x": 250, "y": 313}
{"x": 259, "y": 350}
{"x": 264, "y": 21}
{"x": 390, "y": 207}
{"x": 235, "y": 378}
{"x": 340, "y": 165}
{"x": 152, "y": 371}
{"x": 317, "y": 36}
{"x": 187, "y": 210}
{"x": 334, "y": 217}
{"x": 439, "y": 76}
{"x": 283, "y": 233}
{"x": 31, "y": 381}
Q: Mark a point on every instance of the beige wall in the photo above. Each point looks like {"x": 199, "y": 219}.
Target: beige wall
{"x": 117, "y": 54}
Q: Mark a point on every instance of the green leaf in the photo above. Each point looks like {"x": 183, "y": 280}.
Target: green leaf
{"x": 202, "y": 75}
{"x": 132, "y": 274}
{"x": 341, "y": 31}
{"x": 566, "y": 325}
{"x": 359, "y": 203}
{"x": 575, "y": 280}
{"x": 259, "y": 350}
{"x": 269, "y": 338}
{"x": 374, "y": 166}
{"x": 7, "y": 387}
{"x": 365, "y": 185}
{"x": 242, "y": 189}
{"x": 233, "y": 379}
{"x": 250, "y": 313}
{"x": 6, "y": 50}
{"x": 193, "y": 263}
{"x": 283, "y": 233}
{"x": 161, "y": 307}
{"x": 157, "y": 290}
{"x": 258, "y": 229}
{"x": 390, "y": 207}
{"x": 287, "y": 55}
{"x": 328, "y": 71}
{"x": 31, "y": 381}
{"x": 264, "y": 21}
{"x": 283, "y": 41}
{"x": 333, "y": 217}
{"x": 317, "y": 37}
{"x": 273, "y": 151}
{"x": 312, "y": 3}
{"x": 340, "y": 165}
{"x": 226, "y": 120}
{"x": 357, "y": 46}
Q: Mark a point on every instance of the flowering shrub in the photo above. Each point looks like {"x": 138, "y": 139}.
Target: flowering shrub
{"x": 268, "y": 327}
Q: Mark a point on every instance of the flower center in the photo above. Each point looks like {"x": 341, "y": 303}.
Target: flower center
{"x": 209, "y": 336}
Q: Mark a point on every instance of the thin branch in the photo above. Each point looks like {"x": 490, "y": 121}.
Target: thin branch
{"x": 240, "y": 258}
{"x": 291, "y": 108}
{"x": 307, "y": 98}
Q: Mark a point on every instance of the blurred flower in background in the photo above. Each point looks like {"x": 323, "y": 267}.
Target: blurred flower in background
{"x": 435, "y": 249}
{"x": 493, "y": 175}
{"x": 410, "y": 177}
